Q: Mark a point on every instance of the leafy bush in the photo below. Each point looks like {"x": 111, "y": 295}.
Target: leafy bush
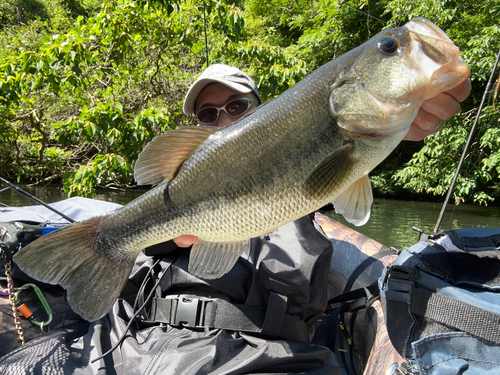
{"x": 84, "y": 85}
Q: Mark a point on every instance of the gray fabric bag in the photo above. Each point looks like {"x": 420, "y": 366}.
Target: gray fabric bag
{"x": 441, "y": 302}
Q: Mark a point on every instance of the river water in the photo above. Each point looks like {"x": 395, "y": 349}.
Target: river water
{"x": 390, "y": 223}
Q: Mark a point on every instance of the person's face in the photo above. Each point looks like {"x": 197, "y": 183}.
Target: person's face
{"x": 216, "y": 95}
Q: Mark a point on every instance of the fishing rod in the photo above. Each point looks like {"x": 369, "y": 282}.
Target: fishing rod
{"x": 28, "y": 195}
{"x": 467, "y": 145}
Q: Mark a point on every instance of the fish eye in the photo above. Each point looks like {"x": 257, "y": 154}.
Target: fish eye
{"x": 388, "y": 45}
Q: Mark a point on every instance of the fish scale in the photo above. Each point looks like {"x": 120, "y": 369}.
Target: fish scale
{"x": 314, "y": 144}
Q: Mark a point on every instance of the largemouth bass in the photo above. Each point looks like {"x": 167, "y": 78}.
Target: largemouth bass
{"x": 314, "y": 144}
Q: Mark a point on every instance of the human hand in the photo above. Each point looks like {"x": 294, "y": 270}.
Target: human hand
{"x": 435, "y": 110}
{"x": 185, "y": 241}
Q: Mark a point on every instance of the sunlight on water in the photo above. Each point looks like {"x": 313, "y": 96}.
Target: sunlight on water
{"x": 391, "y": 221}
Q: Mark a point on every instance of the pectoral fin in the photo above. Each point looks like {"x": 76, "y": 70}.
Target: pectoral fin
{"x": 355, "y": 202}
{"x": 211, "y": 260}
{"x": 329, "y": 172}
{"x": 162, "y": 157}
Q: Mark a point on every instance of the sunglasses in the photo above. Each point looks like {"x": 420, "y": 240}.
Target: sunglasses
{"x": 233, "y": 108}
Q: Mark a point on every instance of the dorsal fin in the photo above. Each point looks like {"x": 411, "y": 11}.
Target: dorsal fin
{"x": 162, "y": 157}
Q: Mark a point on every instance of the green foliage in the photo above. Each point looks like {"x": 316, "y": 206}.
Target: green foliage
{"x": 274, "y": 69}
{"x": 431, "y": 171}
{"x": 100, "y": 91}
{"x": 85, "y": 84}
{"x": 314, "y": 31}
{"x": 52, "y": 14}
{"x": 104, "y": 168}
{"x": 474, "y": 27}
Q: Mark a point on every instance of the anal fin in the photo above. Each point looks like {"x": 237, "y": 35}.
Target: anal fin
{"x": 211, "y": 260}
{"x": 355, "y": 202}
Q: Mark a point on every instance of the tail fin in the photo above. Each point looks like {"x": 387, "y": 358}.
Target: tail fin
{"x": 74, "y": 259}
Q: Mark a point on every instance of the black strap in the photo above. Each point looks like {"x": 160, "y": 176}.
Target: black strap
{"x": 337, "y": 332}
{"x": 332, "y": 340}
{"x": 352, "y": 346}
{"x": 199, "y": 312}
{"x": 339, "y": 339}
{"x": 364, "y": 265}
{"x": 454, "y": 313}
{"x": 345, "y": 337}
{"x": 274, "y": 315}
{"x": 356, "y": 294}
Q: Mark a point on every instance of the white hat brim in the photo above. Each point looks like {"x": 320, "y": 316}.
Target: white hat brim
{"x": 194, "y": 91}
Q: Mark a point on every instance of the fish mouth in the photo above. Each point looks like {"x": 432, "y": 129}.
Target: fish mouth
{"x": 437, "y": 57}
{"x": 382, "y": 99}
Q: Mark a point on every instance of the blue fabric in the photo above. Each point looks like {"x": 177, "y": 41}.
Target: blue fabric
{"x": 455, "y": 353}
{"x": 436, "y": 341}
{"x": 481, "y": 296}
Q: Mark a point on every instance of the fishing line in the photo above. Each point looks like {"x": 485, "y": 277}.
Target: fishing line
{"x": 471, "y": 164}
{"x": 206, "y": 38}
{"x": 467, "y": 145}
{"x": 366, "y": 14}
{"x": 144, "y": 285}
{"x": 136, "y": 314}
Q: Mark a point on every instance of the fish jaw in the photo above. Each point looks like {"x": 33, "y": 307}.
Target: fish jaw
{"x": 382, "y": 93}
{"x": 436, "y": 56}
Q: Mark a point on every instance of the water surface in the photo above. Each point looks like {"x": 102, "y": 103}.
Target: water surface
{"x": 390, "y": 223}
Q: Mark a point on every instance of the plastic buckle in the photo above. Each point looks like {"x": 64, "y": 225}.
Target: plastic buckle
{"x": 358, "y": 304}
{"x": 190, "y": 312}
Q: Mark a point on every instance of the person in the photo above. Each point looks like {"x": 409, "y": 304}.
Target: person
{"x": 220, "y": 84}
{"x": 258, "y": 318}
